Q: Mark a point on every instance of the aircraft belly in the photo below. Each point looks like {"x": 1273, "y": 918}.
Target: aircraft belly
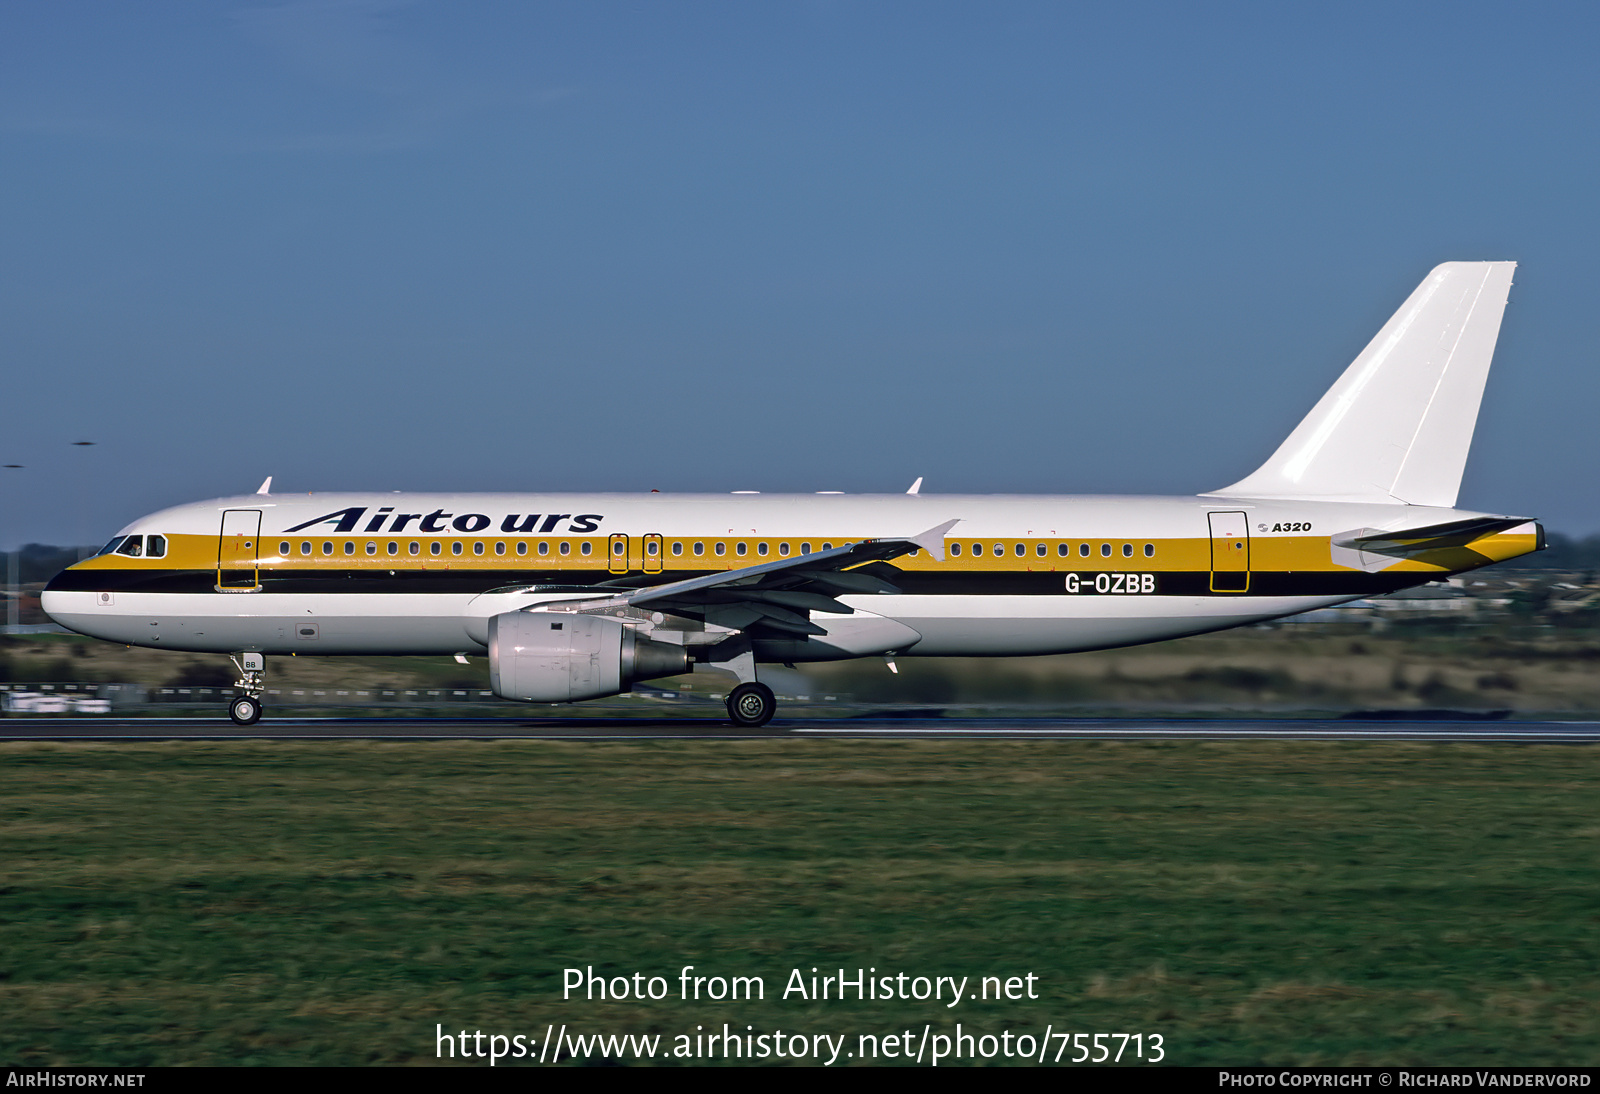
{"x": 978, "y": 626}
{"x": 415, "y": 623}
{"x": 308, "y": 624}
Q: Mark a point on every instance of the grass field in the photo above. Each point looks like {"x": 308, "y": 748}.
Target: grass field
{"x": 328, "y": 903}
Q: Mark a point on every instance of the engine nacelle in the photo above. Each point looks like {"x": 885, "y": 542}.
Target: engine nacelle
{"x": 557, "y": 657}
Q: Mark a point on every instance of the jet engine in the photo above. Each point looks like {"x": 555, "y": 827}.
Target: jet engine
{"x": 556, "y": 657}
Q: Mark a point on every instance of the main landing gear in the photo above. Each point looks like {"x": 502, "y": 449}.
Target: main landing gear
{"x": 752, "y": 704}
{"x": 246, "y": 709}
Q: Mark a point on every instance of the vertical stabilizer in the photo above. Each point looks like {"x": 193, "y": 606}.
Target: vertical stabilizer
{"x": 1397, "y": 425}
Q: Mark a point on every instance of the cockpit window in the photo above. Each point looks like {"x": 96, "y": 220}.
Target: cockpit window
{"x": 112, "y": 546}
{"x": 133, "y": 547}
{"x": 155, "y": 547}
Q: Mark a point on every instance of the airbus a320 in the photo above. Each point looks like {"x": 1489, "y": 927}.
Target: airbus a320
{"x": 579, "y": 596}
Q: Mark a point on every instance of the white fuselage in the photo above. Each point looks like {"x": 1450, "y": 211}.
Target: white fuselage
{"x": 416, "y": 574}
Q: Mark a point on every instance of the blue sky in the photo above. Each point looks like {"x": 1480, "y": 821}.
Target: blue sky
{"x": 1010, "y": 247}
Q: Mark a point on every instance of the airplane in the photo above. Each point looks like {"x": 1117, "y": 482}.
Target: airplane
{"x": 576, "y": 597}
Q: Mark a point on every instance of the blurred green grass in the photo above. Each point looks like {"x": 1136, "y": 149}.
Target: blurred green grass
{"x": 328, "y": 903}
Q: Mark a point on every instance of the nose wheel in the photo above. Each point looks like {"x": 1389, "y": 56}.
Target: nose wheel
{"x": 252, "y": 666}
{"x": 752, "y": 705}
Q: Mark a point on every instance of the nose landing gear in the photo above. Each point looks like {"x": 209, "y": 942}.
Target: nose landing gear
{"x": 246, "y": 709}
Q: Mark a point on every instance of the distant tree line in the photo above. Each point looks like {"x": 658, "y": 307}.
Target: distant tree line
{"x": 1561, "y": 553}
{"x": 38, "y": 562}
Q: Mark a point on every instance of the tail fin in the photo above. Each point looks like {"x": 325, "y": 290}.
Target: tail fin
{"x": 1397, "y": 425}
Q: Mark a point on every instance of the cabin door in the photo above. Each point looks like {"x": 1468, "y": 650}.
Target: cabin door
{"x": 237, "y": 549}
{"x": 1230, "y": 552}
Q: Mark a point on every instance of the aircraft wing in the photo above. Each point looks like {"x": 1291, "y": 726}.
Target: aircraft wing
{"x": 775, "y": 597}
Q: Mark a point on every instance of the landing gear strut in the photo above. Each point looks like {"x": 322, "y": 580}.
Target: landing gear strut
{"x": 246, "y": 709}
{"x": 752, "y": 705}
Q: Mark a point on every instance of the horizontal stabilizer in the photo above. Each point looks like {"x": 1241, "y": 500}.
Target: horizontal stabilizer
{"x": 1397, "y": 425}
{"x": 1373, "y": 549}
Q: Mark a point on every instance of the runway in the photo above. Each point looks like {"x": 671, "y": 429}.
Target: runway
{"x": 869, "y": 727}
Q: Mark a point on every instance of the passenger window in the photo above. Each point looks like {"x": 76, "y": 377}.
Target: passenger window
{"x": 761, "y": 548}
{"x": 434, "y": 548}
{"x": 584, "y": 547}
{"x": 1040, "y": 551}
{"x": 544, "y": 547}
{"x": 349, "y": 548}
{"x": 999, "y": 550}
{"x": 617, "y": 548}
{"x": 721, "y": 548}
{"x": 738, "y": 549}
{"x": 133, "y": 547}
{"x": 827, "y": 546}
{"x": 305, "y": 548}
{"x": 677, "y": 547}
{"x": 477, "y": 546}
{"x": 1063, "y": 550}
{"x": 522, "y": 547}
{"x": 955, "y": 548}
{"x": 977, "y": 549}
{"x": 1127, "y": 550}
{"x": 415, "y": 547}
{"x": 499, "y": 548}
{"x": 327, "y": 548}
{"x": 566, "y": 548}
{"x": 394, "y": 548}
{"x": 1105, "y": 550}
{"x": 1149, "y": 550}
{"x": 372, "y": 548}
{"x": 455, "y": 548}
{"x": 783, "y": 549}
{"x": 650, "y": 548}
{"x": 1022, "y": 549}
{"x": 699, "y": 548}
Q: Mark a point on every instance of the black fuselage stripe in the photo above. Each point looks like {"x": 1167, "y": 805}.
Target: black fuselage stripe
{"x": 1171, "y": 583}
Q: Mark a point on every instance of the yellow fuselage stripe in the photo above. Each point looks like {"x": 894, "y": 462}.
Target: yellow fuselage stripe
{"x": 1302, "y": 554}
